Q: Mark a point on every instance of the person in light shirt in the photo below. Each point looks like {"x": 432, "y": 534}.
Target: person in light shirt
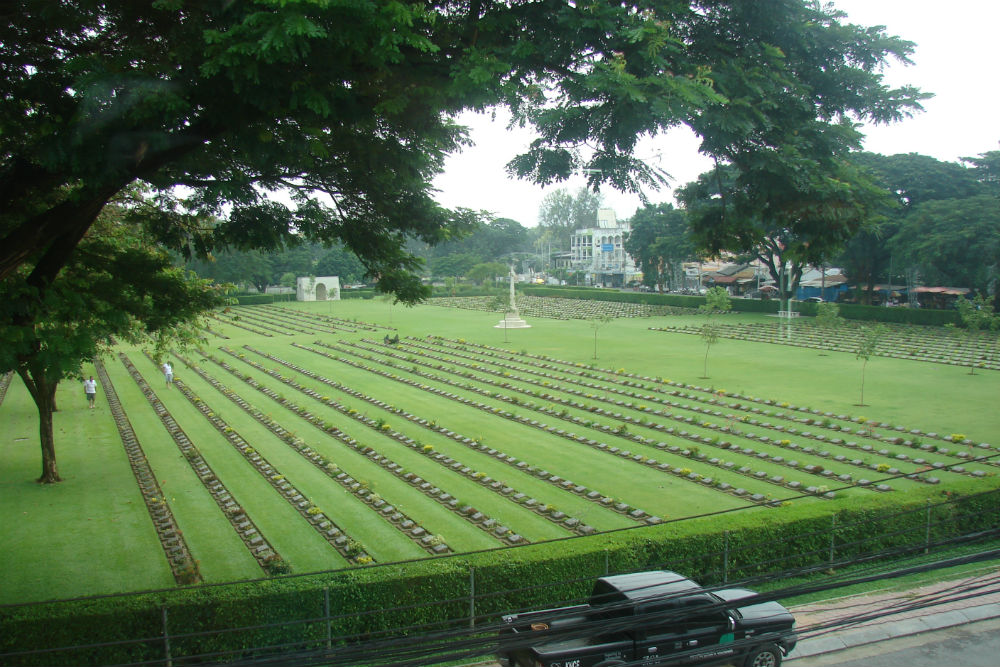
{"x": 90, "y": 389}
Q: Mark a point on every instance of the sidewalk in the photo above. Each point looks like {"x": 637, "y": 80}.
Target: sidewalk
{"x": 827, "y": 626}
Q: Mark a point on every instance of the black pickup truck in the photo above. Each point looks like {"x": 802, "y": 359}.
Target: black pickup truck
{"x": 650, "y": 618}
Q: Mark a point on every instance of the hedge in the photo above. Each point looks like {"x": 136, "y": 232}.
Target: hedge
{"x": 850, "y": 311}
{"x": 254, "y": 299}
{"x": 434, "y": 593}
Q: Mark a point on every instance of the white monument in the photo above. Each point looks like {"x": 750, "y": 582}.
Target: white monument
{"x": 511, "y": 319}
{"x": 323, "y": 288}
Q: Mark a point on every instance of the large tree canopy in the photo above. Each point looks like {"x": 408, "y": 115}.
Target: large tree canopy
{"x": 953, "y": 242}
{"x": 913, "y": 180}
{"x": 787, "y": 225}
{"x": 346, "y": 107}
{"x": 660, "y": 241}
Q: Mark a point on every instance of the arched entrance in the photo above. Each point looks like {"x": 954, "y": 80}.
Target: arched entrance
{"x": 320, "y": 292}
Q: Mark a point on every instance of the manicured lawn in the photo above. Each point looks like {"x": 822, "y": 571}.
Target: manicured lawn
{"x": 90, "y": 533}
{"x": 501, "y": 426}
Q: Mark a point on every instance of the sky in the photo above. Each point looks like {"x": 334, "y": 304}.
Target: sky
{"x": 954, "y": 58}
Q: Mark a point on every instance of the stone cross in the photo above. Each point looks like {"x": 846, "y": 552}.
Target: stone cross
{"x": 513, "y": 306}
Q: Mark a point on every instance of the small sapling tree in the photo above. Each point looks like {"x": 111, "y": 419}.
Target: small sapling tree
{"x": 596, "y": 323}
{"x": 828, "y": 320}
{"x": 867, "y": 345}
{"x": 716, "y": 301}
{"x": 976, "y": 315}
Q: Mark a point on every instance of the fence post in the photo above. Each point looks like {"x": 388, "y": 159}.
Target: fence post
{"x": 326, "y": 615}
{"x": 472, "y": 597}
{"x": 725, "y": 559}
{"x": 166, "y": 637}
{"x": 833, "y": 531}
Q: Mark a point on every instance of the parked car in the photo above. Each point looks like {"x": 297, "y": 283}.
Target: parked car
{"x": 651, "y": 618}
{"x": 813, "y": 299}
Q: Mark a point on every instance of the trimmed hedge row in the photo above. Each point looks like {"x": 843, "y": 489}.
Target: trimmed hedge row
{"x": 255, "y": 299}
{"x": 370, "y": 600}
{"x": 850, "y": 311}
{"x": 924, "y": 316}
{"x": 370, "y": 293}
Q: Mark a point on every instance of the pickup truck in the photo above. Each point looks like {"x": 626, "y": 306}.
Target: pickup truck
{"x": 650, "y": 618}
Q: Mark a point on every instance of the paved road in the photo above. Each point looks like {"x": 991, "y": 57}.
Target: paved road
{"x": 970, "y": 645}
{"x": 877, "y": 617}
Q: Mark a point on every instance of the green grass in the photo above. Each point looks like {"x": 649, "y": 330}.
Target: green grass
{"x": 91, "y": 534}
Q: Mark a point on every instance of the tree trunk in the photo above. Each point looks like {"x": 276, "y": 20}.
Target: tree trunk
{"x": 44, "y": 394}
{"x": 866, "y": 296}
{"x": 864, "y": 366}
{"x": 50, "y": 471}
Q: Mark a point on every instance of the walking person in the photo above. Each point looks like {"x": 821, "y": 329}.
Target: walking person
{"x": 168, "y": 372}
{"x": 90, "y": 389}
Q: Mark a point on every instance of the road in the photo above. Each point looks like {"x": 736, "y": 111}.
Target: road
{"x": 970, "y": 645}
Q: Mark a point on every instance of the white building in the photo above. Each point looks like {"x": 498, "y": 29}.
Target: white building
{"x": 600, "y": 252}
{"x": 322, "y": 288}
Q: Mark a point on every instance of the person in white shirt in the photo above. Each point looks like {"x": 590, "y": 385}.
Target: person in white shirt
{"x": 90, "y": 389}
{"x": 168, "y": 372}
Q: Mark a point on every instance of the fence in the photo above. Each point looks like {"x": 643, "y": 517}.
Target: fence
{"x": 263, "y": 618}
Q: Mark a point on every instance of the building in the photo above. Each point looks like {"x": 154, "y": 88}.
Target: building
{"x": 322, "y": 288}
{"x": 599, "y": 252}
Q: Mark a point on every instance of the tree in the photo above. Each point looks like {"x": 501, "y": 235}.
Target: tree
{"x": 828, "y": 317}
{"x": 976, "y": 315}
{"x": 115, "y": 286}
{"x": 787, "y": 214}
{"x": 986, "y": 167}
{"x": 501, "y": 304}
{"x": 299, "y": 260}
{"x": 487, "y": 271}
{"x": 347, "y": 107}
{"x": 498, "y": 238}
{"x": 595, "y": 324}
{"x": 492, "y": 240}
{"x": 783, "y": 189}
{"x": 248, "y": 269}
{"x": 912, "y": 179}
{"x": 561, "y": 213}
{"x": 341, "y": 262}
{"x": 716, "y": 301}
{"x": 659, "y": 242}
{"x": 953, "y": 241}
{"x": 453, "y": 266}
{"x": 867, "y": 345}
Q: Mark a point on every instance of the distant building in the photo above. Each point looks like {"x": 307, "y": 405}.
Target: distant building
{"x": 599, "y": 252}
{"x": 323, "y": 288}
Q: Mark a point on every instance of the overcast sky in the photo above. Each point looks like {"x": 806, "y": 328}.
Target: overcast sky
{"x": 954, "y": 59}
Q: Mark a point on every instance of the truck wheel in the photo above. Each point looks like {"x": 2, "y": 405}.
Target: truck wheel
{"x": 767, "y": 655}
